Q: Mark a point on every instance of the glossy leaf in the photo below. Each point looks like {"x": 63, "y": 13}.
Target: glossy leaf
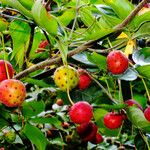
{"x": 122, "y": 9}
{"x": 32, "y": 108}
{"x": 43, "y": 18}
{"x": 98, "y": 60}
{"x": 144, "y": 71}
{"x": 142, "y": 56}
{"x": 15, "y": 4}
{"x": 20, "y": 33}
{"x": 27, "y": 3}
{"x": 136, "y": 116}
{"x": 35, "y": 136}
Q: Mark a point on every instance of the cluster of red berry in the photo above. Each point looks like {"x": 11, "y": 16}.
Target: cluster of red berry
{"x": 12, "y": 91}
{"x": 81, "y": 113}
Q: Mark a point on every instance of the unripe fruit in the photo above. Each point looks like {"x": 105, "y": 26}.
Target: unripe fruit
{"x": 3, "y": 72}
{"x": 66, "y": 77}
{"x": 84, "y": 81}
{"x": 132, "y": 102}
{"x": 113, "y": 120}
{"x": 10, "y": 136}
{"x": 98, "y": 139}
{"x": 87, "y": 131}
{"x": 12, "y": 92}
{"x": 147, "y": 113}
{"x": 81, "y": 112}
{"x": 117, "y": 62}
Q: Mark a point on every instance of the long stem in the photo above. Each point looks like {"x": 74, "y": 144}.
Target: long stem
{"x": 6, "y": 67}
{"x": 146, "y": 88}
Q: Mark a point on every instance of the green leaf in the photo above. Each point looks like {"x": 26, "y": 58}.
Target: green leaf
{"x": 98, "y": 60}
{"x": 15, "y": 4}
{"x": 20, "y": 33}
{"x": 52, "y": 120}
{"x": 32, "y": 108}
{"x": 3, "y": 24}
{"x": 142, "y": 56}
{"x": 136, "y": 116}
{"x": 143, "y": 31}
{"x": 27, "y": 3}
{"x": 67, "y": 16}
{"x": 35, "y": 136}
{"x": 121, "y": 8}
{"x": 40, "y": 83}
{"x": 144, "y": 71}
{"x": 43, "y": 18}
{"x": 82, "y": 57}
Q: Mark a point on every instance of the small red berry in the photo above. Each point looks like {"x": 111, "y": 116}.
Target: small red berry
{"x": 84, "y": 81}
{"x": 117, "y": 62}
{"x": 132, "y": 102}
{"x": 42, "y": 45}
{"x": 81, "y": 112}
{"x": 87, "y": 131}
{"x": 147, "y": 113}
{"x": 113, "y": 120}
{"x": 98, "y": 139}
{"x": 65, "y": 125}
{"x": 3, "y": 70}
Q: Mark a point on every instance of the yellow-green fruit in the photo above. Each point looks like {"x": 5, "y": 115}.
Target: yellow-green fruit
{"x": 66, "y": 76}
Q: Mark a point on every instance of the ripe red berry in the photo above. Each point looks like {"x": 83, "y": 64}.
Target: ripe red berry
{"x": 113, "y": 120}
{"x": 12, "y": 92}
{"x": 81, "y": 112}
{"x": 117, "y": 62}
{"x": 84, "y": 81}
{"x": 3, "y": 70}
{"x": 87, "y": 131}
{"x": 147, "y": 113}
{"x": 98, "y": 139}
{"x": 132, "y": 102}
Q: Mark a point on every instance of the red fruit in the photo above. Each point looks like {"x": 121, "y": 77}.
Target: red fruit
{"x": 132, "y": 102}
{"x": 98, "y": 139}
{"x": 113, "y": 120}
{"x": 81, "y": 112}
{"x": 117, "y": 62}
{"x": 12, "y": 92}
{"x": 147, "y": 113}
{"x": 87, "y": 131}
{"x": 84, "y": 81}
{"x": 41, "y": 46}
{"x": 3, "y": 72}
{"x": 65, "y": 125}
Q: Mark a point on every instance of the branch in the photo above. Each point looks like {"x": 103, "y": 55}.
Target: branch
{"x": 131, "y": 15}
{"x": 52, "y": 61}
{"x": 80, "y": 48}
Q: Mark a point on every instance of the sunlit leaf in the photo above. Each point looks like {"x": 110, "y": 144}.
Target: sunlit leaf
{"x": 144, "y": 71}
{"x": 35, "y": 136}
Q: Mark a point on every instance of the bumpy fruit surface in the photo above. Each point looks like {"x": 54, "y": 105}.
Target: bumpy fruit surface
{"x": 3, "y": 72}
{"x": 84, "y": 81}
{"x": 147, "y": 113}
{"x": 81, "y": 112}
{"x": 132, "y": 102}
{"x": 66, "y": 77}
{"x": 98, "y": 139}
{"x": 87, "y": 131}
{"x": 117, "y": 62}
{"x": 12, "y": 92}
{"x": 113, "y": 120}
{"x": 10, "y": 136}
